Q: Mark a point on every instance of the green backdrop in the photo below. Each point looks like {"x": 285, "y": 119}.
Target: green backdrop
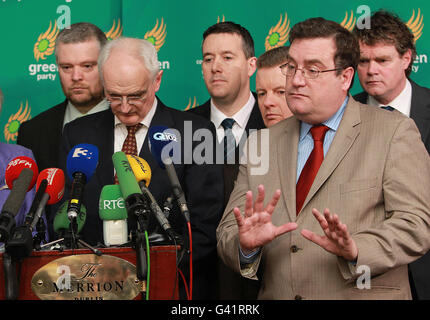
{"x": 29, "y": 78}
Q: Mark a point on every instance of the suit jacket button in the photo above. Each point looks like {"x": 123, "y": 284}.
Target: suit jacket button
{"x": 294, "y": 249}
{"x": 298, "y": 297}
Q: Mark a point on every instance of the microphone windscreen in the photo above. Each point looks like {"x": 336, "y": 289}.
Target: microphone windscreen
{"x": 17, "y": 195}
{"x": 14, "y": 168}
{"x": 55, "y": 186}
{"x": 62, "y": 222}
{"x": 111, "y": 204}
{"x": 162, "y": 143}
{"x": 141, "y": 169}
{"x": 83, "y": 158}
{"x": 127, "y": 180}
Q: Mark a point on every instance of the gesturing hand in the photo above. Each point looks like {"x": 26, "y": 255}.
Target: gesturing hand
{"x": 337, "y": 239}
{"x": 255, "y": 227}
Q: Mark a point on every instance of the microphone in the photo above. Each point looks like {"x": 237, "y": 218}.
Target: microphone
{"x": 134, "y": 201}
{"x": 135, "y": 204}
{"x": 62, "y": 222}
{"x": 50, "y": 189}
{"x": 82, "y": 161}
{"x": 142, "y": 172}
{"x": 114, "y": 215}
{"x": 21, "y": 173}
{"x": 159, "y": 138}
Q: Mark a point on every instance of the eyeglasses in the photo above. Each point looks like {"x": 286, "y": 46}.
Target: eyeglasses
{"x": 290, "y": 70}
{"x": 131, "y": 100}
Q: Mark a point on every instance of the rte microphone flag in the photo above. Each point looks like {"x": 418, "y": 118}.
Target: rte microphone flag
{"x": 114, "y": 215}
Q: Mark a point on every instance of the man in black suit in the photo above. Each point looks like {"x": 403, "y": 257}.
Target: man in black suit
{"x": 228, "y": 63}
{"x": 76, "y": 50}
{"x": 131, "y": 77}
{"x": 387, "y": 52}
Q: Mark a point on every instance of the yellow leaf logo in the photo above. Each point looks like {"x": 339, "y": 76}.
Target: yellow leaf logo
{"x": 15, "y": 120}
{"x": 157, "y": 35}
{"x": 45, "y": 44}
{"x": 278, "y": 34}
{"x": 416, "y": 25}
{"x": 114, "y": 33}
{"x": 349, "y": 24}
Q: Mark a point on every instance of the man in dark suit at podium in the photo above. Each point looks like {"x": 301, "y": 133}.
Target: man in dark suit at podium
{"x": 131, "y": 77}
{"x": 387, "y": 53}
{"x": 76, "y": 50}
{"x": 228, "y": 63}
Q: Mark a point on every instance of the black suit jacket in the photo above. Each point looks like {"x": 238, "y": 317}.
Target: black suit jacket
{"x": 420, "y": 113}
{"x": 202, "y": 185}
{"x": 420, "y": 110}
{"x": 255, "y": 122}
{"x": 42, "y": 135}
{"x": 232, "y": 286}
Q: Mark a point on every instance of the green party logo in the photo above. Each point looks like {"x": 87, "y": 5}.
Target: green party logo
{"x": 114, "y": 33}
{"x": 157, "y": 35}
{"x": 15, "y": 120}
{"x": 191, "y": 104}
{"x": 278, "y": 34}
{"x": 416, "y": 25}
{"x": 45, "y": 44}
{"x": 349, "y": 23}
{"x": 220, "y": 20}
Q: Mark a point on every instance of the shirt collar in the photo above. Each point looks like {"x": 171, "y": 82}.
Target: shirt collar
{"x": 241, "y": 117}
{"x": 73, "y": 113}
{"x": 148, "y": 118}
{"x": 402, "y": 102}
{"x": 332, "y": 123}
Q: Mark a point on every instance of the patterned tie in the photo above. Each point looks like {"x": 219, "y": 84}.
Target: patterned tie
{"x": 389, "y": 108}
{"x": 130, "y": 144}
{"x": 311, "y": 167}
{"x": 229, "y": 140}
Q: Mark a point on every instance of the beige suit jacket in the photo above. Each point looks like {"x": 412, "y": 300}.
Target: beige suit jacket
{"x": 375, "y": 176}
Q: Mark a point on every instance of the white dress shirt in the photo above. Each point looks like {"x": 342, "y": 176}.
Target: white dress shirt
{"x": 73, "y": 113}
{"x": 402, "y": 102}
{"x": 120, "y": 132}
{"x": 241, "y": 119}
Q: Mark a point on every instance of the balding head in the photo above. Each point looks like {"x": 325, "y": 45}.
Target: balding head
{"x": 130, "y": 49}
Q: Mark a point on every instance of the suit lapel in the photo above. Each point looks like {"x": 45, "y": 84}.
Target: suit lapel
{"x": 287, "y": 147}
{"x": 105, "y": 128}
{"x": 345, "y": 136}
{"x": 420, "y": 109}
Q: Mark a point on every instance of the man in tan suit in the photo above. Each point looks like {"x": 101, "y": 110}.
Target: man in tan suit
{"x": 364, "y": 212}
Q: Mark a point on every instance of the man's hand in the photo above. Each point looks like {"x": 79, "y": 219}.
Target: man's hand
{"x": 337, "y": 239}
{"x": 255, "y": 227}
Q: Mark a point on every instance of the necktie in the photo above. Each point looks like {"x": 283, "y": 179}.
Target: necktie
{"x": 389, "y": 108}
{"x": 130, "y": 145}
{"x": 229, "y": 140}
{"x": 312, "y": 166}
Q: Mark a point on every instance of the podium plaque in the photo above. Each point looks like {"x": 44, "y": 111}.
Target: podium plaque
{"x": 81, "y": 275}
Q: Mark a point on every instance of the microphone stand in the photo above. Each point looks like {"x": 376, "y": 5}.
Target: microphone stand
{"x": 71, "y": 239}
{"x": 138, "y": 207}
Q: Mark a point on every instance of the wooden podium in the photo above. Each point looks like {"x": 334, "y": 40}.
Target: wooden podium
{"x": 110, "y": 276}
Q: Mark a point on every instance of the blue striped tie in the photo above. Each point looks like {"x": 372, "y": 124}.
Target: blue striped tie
{"x": 229, "y": 140}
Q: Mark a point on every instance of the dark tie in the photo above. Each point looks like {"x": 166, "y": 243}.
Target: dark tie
{"x": 229, "y": 140}
{"x": 312, "y": 166}
{"x": 389, "y": 108}
{"x": 130, "y": 145}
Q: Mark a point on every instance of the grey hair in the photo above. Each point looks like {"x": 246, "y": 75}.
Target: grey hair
{"x": 1, "y": 100}
{"x": 139, "y": 48}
